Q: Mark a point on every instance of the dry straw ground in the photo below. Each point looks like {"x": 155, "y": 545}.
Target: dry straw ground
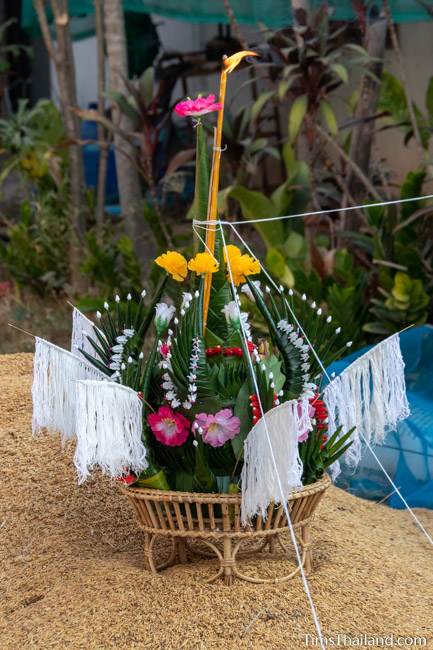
{"x": 72, "y": 574}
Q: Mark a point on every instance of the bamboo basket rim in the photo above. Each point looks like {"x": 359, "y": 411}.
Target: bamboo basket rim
{"x": 216, "y": 497}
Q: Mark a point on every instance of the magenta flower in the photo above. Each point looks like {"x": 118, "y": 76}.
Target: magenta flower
{"x": 170, "y": 428}
{"x": 217, "y": 429}
{"x": 197, "y": 107}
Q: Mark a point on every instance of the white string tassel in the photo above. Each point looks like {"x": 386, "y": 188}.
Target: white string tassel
{"x": 261, "y": 478}
{"x": 109, "y": 429}
{"x": 53, "y": 392}
{"x": 82, "y": 329}
{"x": 370, "y": 395}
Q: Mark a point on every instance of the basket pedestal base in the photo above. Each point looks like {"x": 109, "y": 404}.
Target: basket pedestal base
{"x": 227, "y": 551}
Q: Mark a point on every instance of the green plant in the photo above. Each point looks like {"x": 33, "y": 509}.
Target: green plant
{"x": 404, "y": 303}
{"x": 32, "y": 139}
{"x": 8, "y": 53}
{"x": 36, "y": 251}
{"x": 393, "y": 101}
{"x": 112, "y": 264}
{"x": 280, "y": 238}
{"x": 307, "y": 67}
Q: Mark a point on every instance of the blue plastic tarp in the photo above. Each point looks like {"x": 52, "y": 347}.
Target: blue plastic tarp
{"x": 407, "y": 454}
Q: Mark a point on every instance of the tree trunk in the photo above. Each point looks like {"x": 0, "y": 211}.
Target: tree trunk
{"x": 62, "y": 57}
{"x": 363, "y": 133}
{"x": 131, "y": 199}
{"x": 102, "y": 135}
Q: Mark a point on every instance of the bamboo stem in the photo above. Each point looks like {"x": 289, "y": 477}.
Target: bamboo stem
{"x": 21, "y": 330}
{"x": 213, "y": 194}
{"x": 229, "y": 64}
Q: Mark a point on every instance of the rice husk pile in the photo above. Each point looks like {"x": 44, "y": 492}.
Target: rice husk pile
{"x": 72, "y": 565}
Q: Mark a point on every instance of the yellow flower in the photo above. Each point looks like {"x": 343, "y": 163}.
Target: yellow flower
{"x": 174, "y": 263}
{"x": 241, "y": 266}
{"x": 231, "y": 252}
{"x": 203, "y": 263}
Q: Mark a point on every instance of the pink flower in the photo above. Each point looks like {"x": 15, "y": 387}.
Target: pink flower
{"x": 303, "y": 435}
{"x": 164, "y": 350}
{"x": 197, "y": 107}
{"x": 217, "y": 429}
{"x": 170, "y": 428}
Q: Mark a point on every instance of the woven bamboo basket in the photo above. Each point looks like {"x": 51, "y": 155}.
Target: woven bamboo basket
{"x": 215, "y": 521}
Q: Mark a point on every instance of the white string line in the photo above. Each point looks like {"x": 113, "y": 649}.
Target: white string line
{"x": 202, "y": 224}
{"x": 280, "y": 487}
{"x": 396, "y": 489}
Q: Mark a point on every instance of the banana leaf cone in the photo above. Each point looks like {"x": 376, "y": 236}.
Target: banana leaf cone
{"x": 152, "y": 478}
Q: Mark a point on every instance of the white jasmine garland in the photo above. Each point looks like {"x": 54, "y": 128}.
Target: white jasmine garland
{"x": 193, "y": 365}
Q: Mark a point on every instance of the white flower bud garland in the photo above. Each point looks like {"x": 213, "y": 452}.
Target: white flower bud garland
{"x": 297, "y": 340}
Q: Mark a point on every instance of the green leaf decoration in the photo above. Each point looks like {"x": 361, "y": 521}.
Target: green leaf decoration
{"x": 297, "y": 113}
{"x": 202, "y": 173}
{"x": 221, "y": 460}
{"x": 204, "y": 479}
{"x": 243, "y": 412}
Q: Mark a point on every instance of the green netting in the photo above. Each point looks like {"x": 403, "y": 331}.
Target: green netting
{"x": 273, "y": 13}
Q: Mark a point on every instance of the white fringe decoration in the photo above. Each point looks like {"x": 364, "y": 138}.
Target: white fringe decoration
{"x": 264, "y": 474}
{"x": 109, "y": 429}
{"x": 82, "y": 329}
{"x": 53, "y": 390}
{"x": 370, "y": 395}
